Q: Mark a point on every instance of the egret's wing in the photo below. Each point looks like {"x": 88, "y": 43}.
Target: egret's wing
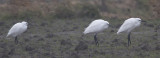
{"x": 13, "y": 29}
{"x": 126, "y": 26}
{"x": 94, "y": 26}
{"x": 17, "y": 29}
{"x": 129, "y": 25}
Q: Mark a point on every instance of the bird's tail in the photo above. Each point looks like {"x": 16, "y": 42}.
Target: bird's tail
{"x": 84, "y": 32}
{"x": 7, "y": 35}
{"x": 118, "y": 32}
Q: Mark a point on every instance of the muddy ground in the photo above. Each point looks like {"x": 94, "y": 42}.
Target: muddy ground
{"x": 61, "y": 38}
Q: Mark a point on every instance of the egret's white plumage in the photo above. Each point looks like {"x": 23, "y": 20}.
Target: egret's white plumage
{"x": 17, "y": 29}
{"x": 129, "y": 25}
{"x": 96, "y": 26}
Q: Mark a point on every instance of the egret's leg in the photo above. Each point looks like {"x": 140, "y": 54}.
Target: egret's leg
{"x": 95, "y": 38}
{"x": 16, "y": 41}
{"x": 129, "y": 38}
{"x": 129, "y": 41}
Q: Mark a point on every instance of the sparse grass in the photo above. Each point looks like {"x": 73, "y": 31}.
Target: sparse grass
{"x": 45, "y": 40}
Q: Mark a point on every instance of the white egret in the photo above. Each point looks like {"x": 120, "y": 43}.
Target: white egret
{"x": 17, "y": 29}
{"x": 128, "y": 26}
{"x": 95, "y": 27}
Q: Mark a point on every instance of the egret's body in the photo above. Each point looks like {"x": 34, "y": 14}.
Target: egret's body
{"x": 95, "y": 27}
{"x": 128, "y": 26}
{"x": 17, "y": 29}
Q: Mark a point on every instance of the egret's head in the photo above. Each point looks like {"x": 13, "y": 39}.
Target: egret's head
{"x": 24, "y": 22}
{"x": 139, "y": 19}
{"x": 108, "y": 22}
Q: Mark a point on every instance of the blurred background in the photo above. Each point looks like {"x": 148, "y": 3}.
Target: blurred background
{"x": 55, "y": 28}
{"x": 50, "y": 9}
